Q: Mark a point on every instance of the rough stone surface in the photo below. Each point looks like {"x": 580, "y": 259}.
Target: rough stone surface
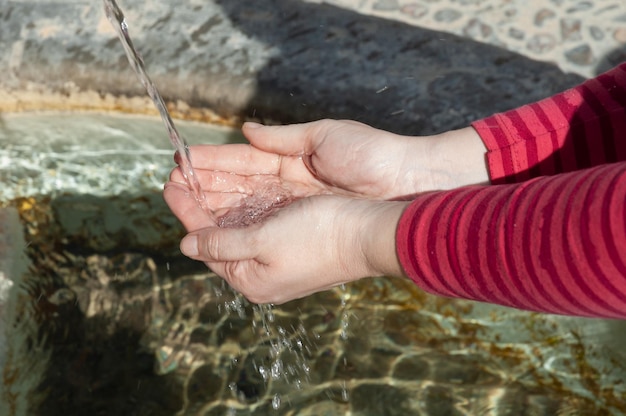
{"x": 596, "y": 25}
{"x": 281, "y": 60}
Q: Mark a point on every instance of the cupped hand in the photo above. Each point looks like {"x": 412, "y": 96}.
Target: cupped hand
{"x": 341, "y": 226}
{"x": 313, "y": 244}
{"x": 321, "y": 157}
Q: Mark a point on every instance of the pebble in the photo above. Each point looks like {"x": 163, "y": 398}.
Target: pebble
{"x": 415, "y": 10}
{"x": 476, "y": 29}
{"x": 580, "y": 55}
{"x": 448, "y": 15}
{"x": 542, "y": 15}
{"x": 570, "y": 29}
{"x": 516, "y": 33}
{"x": 620, "y": 35}
{"x": 541, "y": 43}
{"x": 596, "y": 33}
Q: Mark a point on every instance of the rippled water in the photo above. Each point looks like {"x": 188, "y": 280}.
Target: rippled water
{"x": 119, "y": 323}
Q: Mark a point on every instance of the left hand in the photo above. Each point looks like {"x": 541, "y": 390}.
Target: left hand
{"x": 311, "y": 245}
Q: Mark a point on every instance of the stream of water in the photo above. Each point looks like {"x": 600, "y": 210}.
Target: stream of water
{"x": 117, "y": 19}
{"x": 266, "y": 199}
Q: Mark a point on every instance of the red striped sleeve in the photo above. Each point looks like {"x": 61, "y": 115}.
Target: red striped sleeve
{"x": 579, "y": 128}
{"x": 552, "y": 244}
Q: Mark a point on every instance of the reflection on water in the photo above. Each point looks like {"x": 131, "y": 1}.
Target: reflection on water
{"x": 50, "y": 154}
{"x": 112, "y": 320}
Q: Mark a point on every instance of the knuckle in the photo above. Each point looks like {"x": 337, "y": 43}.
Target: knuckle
{"x": 209, "y": 245}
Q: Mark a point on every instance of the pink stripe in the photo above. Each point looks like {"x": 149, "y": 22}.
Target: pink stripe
{"x": 475, "y": 229}
{"x": 442, "y": 231}
{"x": 603, "y": 262}
{"x": 573, "y": 145}
{"x": 535, "y": 232}
{"x": 505, "y": 169}
{"x": 548, "y": 147}
{"x": 612, "y": 96}
{"x": 456, "y": 243}
{"x": 592, "y": 130}
{"x": 496, "y": 269}
{"x": 574, "y": 247}
{"x": 527, "y": 159}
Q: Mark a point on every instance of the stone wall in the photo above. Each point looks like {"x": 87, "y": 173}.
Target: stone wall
{"x": 273, "y": 60}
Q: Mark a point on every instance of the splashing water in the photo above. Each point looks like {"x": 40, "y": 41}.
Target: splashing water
{"x": 276, "y": 402}
{"x": 117, "y": 19}
{"x": 254, "y": 208}
{"x": 267, "y": 198}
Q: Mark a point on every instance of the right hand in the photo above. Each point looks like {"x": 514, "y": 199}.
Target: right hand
{"x": 344, "y": 158}
{"x": 311, "y": 245}
{"x": 348, "y": 158}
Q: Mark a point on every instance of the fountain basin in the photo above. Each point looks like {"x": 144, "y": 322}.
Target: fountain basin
{"x": 102, "y": 315}
{"x": 100, "y": 306}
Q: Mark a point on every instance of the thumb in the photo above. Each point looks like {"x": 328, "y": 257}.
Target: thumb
{"x": 216, "y": 244}
{"x": 292, "y": 139}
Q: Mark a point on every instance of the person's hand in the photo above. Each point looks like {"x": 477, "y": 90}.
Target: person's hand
{"x": 310, "y": 245}
{"x": 341, "y": 158}
{"x": 338, "y": 229}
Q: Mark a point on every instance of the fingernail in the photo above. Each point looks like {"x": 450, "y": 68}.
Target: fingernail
{"x": 252, "y": 125}
{"x": 189, "y": 246}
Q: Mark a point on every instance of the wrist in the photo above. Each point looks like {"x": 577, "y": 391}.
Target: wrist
{"x": 377, "y": 238}
{"x": 455, "y": 158}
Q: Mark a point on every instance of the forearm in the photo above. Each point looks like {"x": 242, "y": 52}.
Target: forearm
{"x": 553, "y": 244}
{"x": 576, "y": 129}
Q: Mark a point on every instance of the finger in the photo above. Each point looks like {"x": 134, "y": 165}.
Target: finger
{"x": 239, "y": 158}
{"x": 246, "y": 277}
{"x": 218, "y": 245}
{"x": 213, "y": 181}
{"x": 216, "y": 181}
{"x": 221, "y": 202}
{"x": 292, "y": 139}
{"x": 185, "y": 207}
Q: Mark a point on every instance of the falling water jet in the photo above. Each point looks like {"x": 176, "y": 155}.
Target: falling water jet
{"x": 255, "y": 208}
{"x": 268, "y": 198}
{"x": 117, "y": 19}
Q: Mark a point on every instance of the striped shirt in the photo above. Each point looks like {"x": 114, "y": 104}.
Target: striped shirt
{"x": 549, "y": 234}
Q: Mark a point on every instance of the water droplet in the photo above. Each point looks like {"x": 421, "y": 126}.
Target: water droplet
{"x": 276, "y": 402}
{"x": 306, "y": 368}
{"x": 277, "y": 369}
{"x": 264, "y": 373}
{"x": 345, "y": 395}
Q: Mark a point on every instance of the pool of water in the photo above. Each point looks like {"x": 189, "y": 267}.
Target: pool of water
{"x": 102, "y": 315}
